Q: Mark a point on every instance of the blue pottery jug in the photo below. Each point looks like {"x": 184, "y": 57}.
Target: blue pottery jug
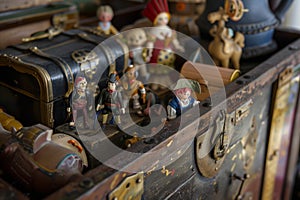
{"x": 257, "y": 24}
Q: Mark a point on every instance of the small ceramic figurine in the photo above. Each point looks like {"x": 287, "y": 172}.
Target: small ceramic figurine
{"x": 162, "y": 42}
{"x": 163, "y": 38}
{"x": 224, "y": 48}
{"x": 80, "y": 101}
{"x": 183, "y": 99}
{"x": 131, "y": 88}
{"x": 105, "y": 15}
{"x": 110, "y": 101}
{"x": 136, "y": 40}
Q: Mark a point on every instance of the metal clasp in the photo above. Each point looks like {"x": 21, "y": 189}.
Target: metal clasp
{"x": 132, "y": 188}
{"x": 49, "y": 33}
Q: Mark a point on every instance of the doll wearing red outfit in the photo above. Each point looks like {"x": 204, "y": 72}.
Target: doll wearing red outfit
{"x": 162, "y": 38}
{"x": 161, "y": 44}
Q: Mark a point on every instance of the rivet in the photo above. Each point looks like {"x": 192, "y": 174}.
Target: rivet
{"x": 86, "y": 183}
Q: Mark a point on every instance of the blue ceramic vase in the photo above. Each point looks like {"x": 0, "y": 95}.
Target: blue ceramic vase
{"x": 257, "y": 24}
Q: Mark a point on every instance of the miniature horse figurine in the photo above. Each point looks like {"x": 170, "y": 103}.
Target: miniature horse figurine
{"x": 224, "y": 48}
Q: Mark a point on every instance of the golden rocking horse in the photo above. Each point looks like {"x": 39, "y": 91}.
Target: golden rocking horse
{"x": 224, "y": 48}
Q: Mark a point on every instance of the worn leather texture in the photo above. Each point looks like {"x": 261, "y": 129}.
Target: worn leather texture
{"x": 41, "y": 83}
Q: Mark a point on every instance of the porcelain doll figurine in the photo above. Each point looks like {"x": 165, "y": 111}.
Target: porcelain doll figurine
{"x": 110, "y": 101}
{"x": 183, "y": 99}
{"x": 162, "y": 37}
{"x": 136, "y": 40}
{"x": 105, "y": 15}
{"x": 80, "y": 101}
{"x": 162, "y": 42}
{"x": 131, "y": 88}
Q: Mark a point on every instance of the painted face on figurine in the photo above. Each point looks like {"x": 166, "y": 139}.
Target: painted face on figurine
{"x": 105, "y": 17}
{"x": 183, "y": 94}
{"x": 162, "y": 19}
{"x": 111, "y": 86}
{"x": 82, "y": 84}
{"x": 136, "y": 37}
{"x": 130, "y": 74}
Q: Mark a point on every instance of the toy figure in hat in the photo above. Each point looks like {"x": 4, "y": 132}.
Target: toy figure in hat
{"x": 162, "y": 38}
{"x": 183, "y": 99}
{"x": 110, "y": 101}
{"x": 80, "y": 100}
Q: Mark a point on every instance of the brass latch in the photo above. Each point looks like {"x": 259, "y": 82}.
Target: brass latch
{"x": 49, "y": 33}
{"x": 212, "y": 146}
{"x": 132, "y": 188}
{"x": 243, "y": 111}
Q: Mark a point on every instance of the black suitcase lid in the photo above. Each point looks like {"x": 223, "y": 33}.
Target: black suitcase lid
{"x": 54, "y": 57}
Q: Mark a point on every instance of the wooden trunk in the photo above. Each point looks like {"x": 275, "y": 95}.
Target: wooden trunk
{"x": 253, "y": 135}
{"x": 242, "y": 144}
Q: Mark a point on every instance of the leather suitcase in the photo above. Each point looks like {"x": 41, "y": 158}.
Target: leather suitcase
{"x": 18, "y": 24}
{"x": 39, "y": 75}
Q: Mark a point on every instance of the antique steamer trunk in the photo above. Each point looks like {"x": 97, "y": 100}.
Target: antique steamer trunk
{"x": 37, "y": 77}
{"x": 244, "y": 146}
{"x": 243, "y": 143}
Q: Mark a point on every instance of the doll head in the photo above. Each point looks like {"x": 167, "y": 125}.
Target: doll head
{"x": 185, "y": 88}
{"x": 136, "y": 37}
{"x": 105, "y": 13}
{"x": 130, "y": 72}
{"x": 112, "y": 82}
{"x": 183, "y": 93}
{"x": 154, "y": 9}
{"x": 80, "y": 83}
{"x": 162, "y": 19}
